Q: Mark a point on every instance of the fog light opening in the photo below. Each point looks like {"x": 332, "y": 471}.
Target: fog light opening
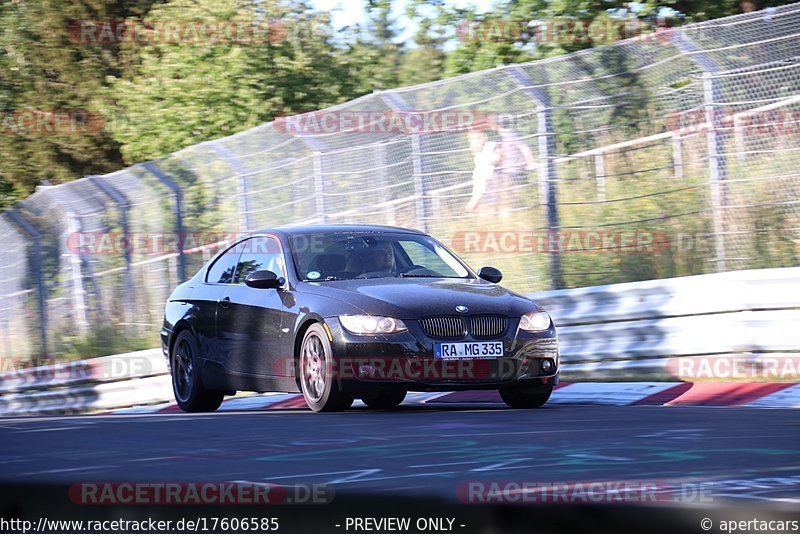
{"x": 547, "y": 365}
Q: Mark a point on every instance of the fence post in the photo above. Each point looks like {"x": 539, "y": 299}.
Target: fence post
{"x": 717, "y": 162}
{"x": 319, "y": 186}
{"x": 123, "y": 206}
{"x": 600, "y": 175}
{"x": 547, "y": 167}
{"x": 178, "y": 196}
{"x": 242, "y": 185}
{"x": 319, "y": 175}
{"x": 36, "y": 237}
{"x": 422, "y": 207}
{"x": 385, "y": 181}
{"x": 677, "y": 155}
{"x": 78, "y": 291}
{"x": 6, "y": 336}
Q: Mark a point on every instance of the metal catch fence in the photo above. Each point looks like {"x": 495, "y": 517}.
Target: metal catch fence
{"x": 670, "y": 154}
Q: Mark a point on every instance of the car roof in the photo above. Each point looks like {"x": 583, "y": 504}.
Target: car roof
{"x": 336, "y": 228}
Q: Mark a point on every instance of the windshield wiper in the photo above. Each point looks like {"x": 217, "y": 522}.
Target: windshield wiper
{"x": 326, "y": 279}
{"x": 410, "y": 275}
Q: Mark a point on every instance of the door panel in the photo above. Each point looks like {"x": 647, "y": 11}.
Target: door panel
{"x": 205, "y": 311}
{"x": 249, "y": 320}
{"x": 218, "y": 278}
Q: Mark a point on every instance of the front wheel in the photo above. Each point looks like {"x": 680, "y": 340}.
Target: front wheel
{"x": 517, "y": 397}
{"x": 388, "y": 398}
{"x": 317, "y": 370}
{"x": 187, "y": 384}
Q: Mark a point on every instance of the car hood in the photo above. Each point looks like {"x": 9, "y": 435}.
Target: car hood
{"x": 410, "y": 298}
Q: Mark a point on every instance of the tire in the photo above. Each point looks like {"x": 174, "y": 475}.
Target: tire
{"x": 385, "y": 399}
{"x": 317, "y": 378}
{"x": 187, "y": 382}
{"x": 516, "y": 397}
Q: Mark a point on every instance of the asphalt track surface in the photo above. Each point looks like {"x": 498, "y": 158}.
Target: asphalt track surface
{"x": 731, "y": 454}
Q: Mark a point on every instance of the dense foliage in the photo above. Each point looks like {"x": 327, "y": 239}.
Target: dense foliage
{"x": 144, "y": 99}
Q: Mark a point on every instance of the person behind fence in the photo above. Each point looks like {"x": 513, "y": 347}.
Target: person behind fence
{"x": 515, "y": 160}
{"x": 485, "y": 158}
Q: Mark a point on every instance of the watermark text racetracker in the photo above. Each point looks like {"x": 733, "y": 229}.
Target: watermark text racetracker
{"x": 772, "y": 122}
{"x": 377, "y": 368}
{"x": 736, "y": 367}
{"x": 328, "y": 122}
{"x": 43, "y": 122}
{"x": 160, "y": 243}
{"x": 584, "y": 492}
{"x": 151, "y": 243}
{"x": 22, "y": 370}
{"x": 176, "y": 32}
{"x": 529, "y": 241}
{"x": 198, "y": 493}
{"x": 555, "y": 31}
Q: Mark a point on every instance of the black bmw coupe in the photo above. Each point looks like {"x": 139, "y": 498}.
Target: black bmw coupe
{"x": 341, "y": 312}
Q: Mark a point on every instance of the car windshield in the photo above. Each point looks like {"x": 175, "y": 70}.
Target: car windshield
{"x": 358, "y": 255}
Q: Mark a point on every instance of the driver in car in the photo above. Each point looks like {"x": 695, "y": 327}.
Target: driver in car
{"x": 379, "y": 258}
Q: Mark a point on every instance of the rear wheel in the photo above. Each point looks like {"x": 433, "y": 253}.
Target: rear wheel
{"x": 519, "y": 397}
{"x": 387, "y": 398}
{"x": 187, "y": 384}
{"x": 318, "y": 381}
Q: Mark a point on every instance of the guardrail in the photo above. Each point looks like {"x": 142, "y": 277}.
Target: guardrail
{"x": 106, "y": 383}
{"x": 630, "y": 331}
{"x": 614, "y": 332}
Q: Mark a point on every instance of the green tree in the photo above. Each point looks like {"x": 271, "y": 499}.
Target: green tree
{"x": 372, "y": 55}
{"x": 694, "y": 10}
{"x": 425, "y": 61}
{"x": 182, "y": 93}
{"x": 44, "y": 69}
{"x": 524, "y": 30}
{"x": 482, "y": 41}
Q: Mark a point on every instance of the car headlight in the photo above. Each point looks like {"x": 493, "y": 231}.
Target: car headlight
{"x": 371, "y": 324}
{"x": 538, "y": 321}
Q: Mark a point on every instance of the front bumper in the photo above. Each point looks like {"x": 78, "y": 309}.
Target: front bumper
{"x": 407, "y": 360}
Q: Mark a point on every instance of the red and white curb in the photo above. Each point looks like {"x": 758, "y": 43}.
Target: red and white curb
{"x": 746, "y": 394}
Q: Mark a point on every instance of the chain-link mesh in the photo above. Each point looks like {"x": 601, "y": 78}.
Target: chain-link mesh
{"x": 671, "y": 154}
{"x": 18, "y": 306}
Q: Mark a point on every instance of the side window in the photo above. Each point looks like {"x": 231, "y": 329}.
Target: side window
{"x": 221, "y": 272}
{"x": 259, "y": 254}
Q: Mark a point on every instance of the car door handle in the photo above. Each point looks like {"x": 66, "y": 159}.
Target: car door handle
{"x": 224, "y": 303}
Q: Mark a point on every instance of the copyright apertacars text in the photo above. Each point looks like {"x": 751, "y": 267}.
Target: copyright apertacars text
{"x": 195, "y": 524}
{"x": 750, "y": 525}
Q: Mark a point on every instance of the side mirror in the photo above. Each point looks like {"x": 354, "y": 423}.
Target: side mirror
{"x": 264, "y": 280}
{"x": 490, "y": 274}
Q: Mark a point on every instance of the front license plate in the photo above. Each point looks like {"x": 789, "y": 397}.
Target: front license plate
{"x": 478, "y": 349}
